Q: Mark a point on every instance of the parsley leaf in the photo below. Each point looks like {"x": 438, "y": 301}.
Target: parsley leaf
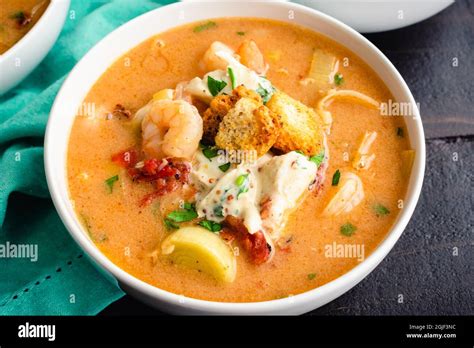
{"x": 336, "y": 177}
{"x": 338, "y": 79}
{"x": 170, "y": 224}
{"x": 188, "y": 213}
{"x": 210, "y": 152}
{"x": 230, "y": 71}
{"x": 348, "y": 229}
{"x": 215, "y": 86}
{"x": 380, "y": 210}
{"x": 110, "y": 183}
{"x": 265, "y": 89}
{"x": 219, "y": 211}
{"x": 241, "y": 179}
{"x": 400, "y": 132}
{"x": 225, "y": 167}
{"x": 318, "y": 159}
{"x": 210, "y": 225}
{"x": 205, "y": 26}
{"x": 242, "y": 183}
{"x": 188, "y": 206}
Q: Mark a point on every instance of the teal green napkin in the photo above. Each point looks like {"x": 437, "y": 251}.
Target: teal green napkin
{"x": 57, "y": 279}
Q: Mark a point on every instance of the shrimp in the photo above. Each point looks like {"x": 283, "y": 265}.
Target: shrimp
{"x": 252, "y": 57}
{"x": 211, "y": 61}
{"x": 171, "y": 128}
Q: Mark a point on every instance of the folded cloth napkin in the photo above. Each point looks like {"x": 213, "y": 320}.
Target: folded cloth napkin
{"x": 42, "y": 270}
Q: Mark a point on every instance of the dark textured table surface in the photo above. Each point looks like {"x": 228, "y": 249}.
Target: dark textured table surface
{"x": 430, "y": 269}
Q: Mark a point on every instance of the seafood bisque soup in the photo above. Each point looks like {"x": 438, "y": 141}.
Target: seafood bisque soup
{"x": 238, "y": 160}
{"x": 17, "y": 17}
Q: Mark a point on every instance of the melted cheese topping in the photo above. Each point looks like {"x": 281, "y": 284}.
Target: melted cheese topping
{"x": 284, "y": 180}
{"x": 273, "y": 185}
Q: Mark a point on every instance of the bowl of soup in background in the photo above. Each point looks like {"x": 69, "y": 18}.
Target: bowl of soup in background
{"x": 117, "y": 43}
{"x": 368, "y": 16}
{"x": 28, "y": 50}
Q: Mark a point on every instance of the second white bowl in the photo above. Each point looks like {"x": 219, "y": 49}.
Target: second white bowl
{"x": 26, "y": 54}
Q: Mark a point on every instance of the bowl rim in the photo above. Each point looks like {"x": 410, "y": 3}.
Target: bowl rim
{"x": 343, "y": 282}
{"x": 41, "y": 24}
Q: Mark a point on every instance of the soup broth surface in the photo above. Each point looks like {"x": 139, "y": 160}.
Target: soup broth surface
{"x": 320, "y": 249}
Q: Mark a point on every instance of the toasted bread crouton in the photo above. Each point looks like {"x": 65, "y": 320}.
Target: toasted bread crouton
{"x": 301, "y": 128}
{"x": 242, "y": 92}
{"x": 249, "y": 125}
{"x": 219, "y": 107}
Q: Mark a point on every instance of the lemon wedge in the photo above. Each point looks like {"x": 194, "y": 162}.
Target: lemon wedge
{"x": 200, "y": 249}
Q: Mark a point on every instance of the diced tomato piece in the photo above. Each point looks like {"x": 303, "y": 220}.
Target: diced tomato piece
{"x": 167, "y": 175}
{"x": 126, "y": 159}
{"x": 259, "y": 251}
{"x": 255, "y": 244}
{"x": 150, "y": 166}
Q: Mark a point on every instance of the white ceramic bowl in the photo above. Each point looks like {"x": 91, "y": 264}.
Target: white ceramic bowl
{"x": 369, "y": 16}
{"x": 26, "y": 54}
{"x": 99, "y": 58}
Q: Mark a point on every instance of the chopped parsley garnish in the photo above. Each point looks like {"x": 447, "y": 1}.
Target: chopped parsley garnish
{"x": 242, "y": 183}
{"x": 188, "y": 206}
{"x": 225, "y": 167}
{"x": 336, "y": 177}
{"x": 188, "y": 213}
{"x": 20, "y": 15}
{"x": 110, "y": 183}
{"x": 205, "y": 26}
{"x": 232, "y": 77}
{"x": 311, "y": 276}
{"x": 318, "y": 159}
{"x": 400, "y": 132}
{"x": 241, "y": 179}
{"x": 215, "y": 86}
{"x": 209, "y": 152}
{"x": 380, "y": 210}
{"x": 241, "y": 33}
{"x": 22, "y": 18}
{"x": 348, "y": 229}
{"x": 170, "y": 224}
{"x": 210, "y": 225}
{"x": 219, "y": 211}
{"x": 300, "y": 152}
{"x": 265, "y": 89}
{"x": 338, "y": 79}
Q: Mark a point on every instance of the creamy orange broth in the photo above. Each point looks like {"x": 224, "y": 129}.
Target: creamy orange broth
{"x": 128, "y": 234}
{"x": 12, "y": 13}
